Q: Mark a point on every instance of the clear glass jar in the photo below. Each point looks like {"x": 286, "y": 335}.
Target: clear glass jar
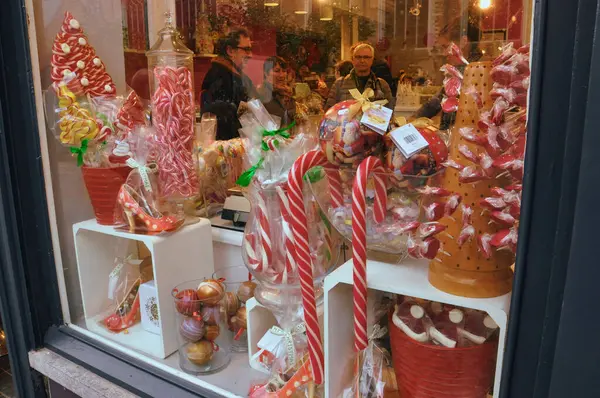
{"x": 201, "y": 322}
{"x": 171, "y": 71}
{"x": 238, "y": 290}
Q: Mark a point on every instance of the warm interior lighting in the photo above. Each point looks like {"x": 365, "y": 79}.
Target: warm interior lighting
{"x": 326, "y": 11}
{"x": 300, "y": 12}
{"x": 271, "y": 3}
{"x": 485, "y": 4}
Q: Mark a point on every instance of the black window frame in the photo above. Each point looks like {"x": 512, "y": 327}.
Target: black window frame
{"x": 549, "y": 352}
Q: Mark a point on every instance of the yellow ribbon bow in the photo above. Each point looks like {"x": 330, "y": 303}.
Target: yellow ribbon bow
{"x": 422, "y": 122}
{"x": 362, "y": 101}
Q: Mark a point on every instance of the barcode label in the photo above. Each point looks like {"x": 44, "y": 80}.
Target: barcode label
{"x": 410, "y": 138}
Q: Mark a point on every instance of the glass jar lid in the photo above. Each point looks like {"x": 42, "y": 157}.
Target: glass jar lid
{"x": 169, "y": 40}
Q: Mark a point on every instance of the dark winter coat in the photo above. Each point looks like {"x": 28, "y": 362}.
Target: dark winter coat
{"x": 223, "y": 88}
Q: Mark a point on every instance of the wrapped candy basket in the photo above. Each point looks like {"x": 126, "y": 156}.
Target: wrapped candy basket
{"x": 427, "y": 370}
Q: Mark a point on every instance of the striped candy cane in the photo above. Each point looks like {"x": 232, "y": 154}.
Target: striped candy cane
{"x": 359, "y": 239}
{"x": 290, "y": 245}
{"x": 335, "y": 186}
{"x": 264, "y": 232}
{"x": 300, "y": 231}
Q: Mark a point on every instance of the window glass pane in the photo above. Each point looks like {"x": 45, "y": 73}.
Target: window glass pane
{"x": 435, "y": 90}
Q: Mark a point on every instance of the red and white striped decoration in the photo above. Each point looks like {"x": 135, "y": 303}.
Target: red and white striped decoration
{"x": 359, "y": 239}
{"x": 300, "y": 231}
{"x": 264, "y": 233}
{"x": 335, "y": 186}
{"x": 290, "y": 245}
{"x": 250, "y": 248}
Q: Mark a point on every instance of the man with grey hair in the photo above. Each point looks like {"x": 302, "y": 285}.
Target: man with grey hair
{"x": 360, "y": 78}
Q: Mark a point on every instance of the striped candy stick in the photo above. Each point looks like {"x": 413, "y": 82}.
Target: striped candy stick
{"x": 264, "y": 232}
{"x": 300, "y": 231}
{"x": 290, "y": 245}
{"x": 335, "y": 186}
{"x": 359, "y": 239}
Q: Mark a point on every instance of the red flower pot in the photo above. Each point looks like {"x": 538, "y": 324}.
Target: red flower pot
{"x": 103, "y": 184}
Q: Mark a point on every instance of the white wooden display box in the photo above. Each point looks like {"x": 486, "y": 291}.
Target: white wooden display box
{"x": 184, "y": 255}
{"x": 408, "y": 278}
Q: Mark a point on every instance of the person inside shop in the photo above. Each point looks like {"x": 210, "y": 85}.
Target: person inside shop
{"x": 467, "y": 38}
{"x": 225, "y": 85}
{"x": 360, "y": 77}
{"x": 275, "y": 92}
{"x": 343, "y": 69}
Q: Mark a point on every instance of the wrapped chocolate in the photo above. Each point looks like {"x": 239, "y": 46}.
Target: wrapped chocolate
{"x": 343, "y": 135}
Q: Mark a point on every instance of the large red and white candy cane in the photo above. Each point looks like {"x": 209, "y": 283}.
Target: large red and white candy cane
{"x": 300, "y": 230}
{"x": 359, "y": 239}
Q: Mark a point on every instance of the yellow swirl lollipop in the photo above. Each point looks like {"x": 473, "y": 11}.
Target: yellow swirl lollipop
{"x": 76, "y": 123}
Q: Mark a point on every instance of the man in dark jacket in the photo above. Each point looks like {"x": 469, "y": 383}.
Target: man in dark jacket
{"x": 225, "y": 84}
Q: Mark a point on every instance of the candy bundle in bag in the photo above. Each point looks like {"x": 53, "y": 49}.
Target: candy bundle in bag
{"x": 138, "y": 197}
{"x": 123, "y": 301}
{"x": 220, "y": 164}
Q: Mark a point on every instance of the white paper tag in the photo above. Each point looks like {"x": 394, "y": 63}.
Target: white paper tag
{"x": 377, "y": 118}
{"x": 113, "y": 279}
{"x": 408, "y": 139}
{"x": 270, "y": 342}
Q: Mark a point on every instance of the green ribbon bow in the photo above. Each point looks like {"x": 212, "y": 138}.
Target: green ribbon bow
{"x": 80, "y": 151}
{"x": 272, "y": 133}
{"x": 246, "y": 177}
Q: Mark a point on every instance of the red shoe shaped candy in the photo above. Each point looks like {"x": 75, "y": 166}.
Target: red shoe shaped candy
{"x": 138, "y": 215}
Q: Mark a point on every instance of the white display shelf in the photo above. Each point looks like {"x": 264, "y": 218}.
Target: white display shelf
{"x": 260, "y": 321}
{"x": 180, "y": 256}
{"x": 409, "y": 278}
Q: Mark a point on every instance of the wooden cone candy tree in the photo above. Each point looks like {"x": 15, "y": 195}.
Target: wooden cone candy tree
{"x": 75, "y": 61}
{"x": 464, "y": 269}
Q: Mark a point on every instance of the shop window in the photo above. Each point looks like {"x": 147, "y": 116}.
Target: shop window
{"x": 153, "y": 122}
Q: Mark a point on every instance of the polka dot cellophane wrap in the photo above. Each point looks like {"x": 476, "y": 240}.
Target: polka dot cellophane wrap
{"x": 465, "y": 271}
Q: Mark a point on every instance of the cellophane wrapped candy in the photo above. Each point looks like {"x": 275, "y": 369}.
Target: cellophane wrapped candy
{"x": 344, "y": 140}
{"x": 83, "y": 124}
{"x": 220, "y": 164}
{"x": 139, "y": 197}
{"x": 122, "y": 309}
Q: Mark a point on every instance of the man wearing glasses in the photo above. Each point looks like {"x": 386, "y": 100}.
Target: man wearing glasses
{"x": 225, "y": 84}
{"x": 360, "y": 77}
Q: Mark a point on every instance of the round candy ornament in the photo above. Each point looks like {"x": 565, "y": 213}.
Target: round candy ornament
{"x": 343, "y": 139}
{"x": 192, "y": 329}
{"x": 211, "y": 332}
{"x": 231, "y": 302}
{"x": 200, "y": 353}
{"x": 246, "y": 291}
{"x": 425, "y": 162}
{"x": 210, "y": 291}
{"x": 211, "y": 314}
{"x": 240, "y": 320}
{"x": 187, "y": 302}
